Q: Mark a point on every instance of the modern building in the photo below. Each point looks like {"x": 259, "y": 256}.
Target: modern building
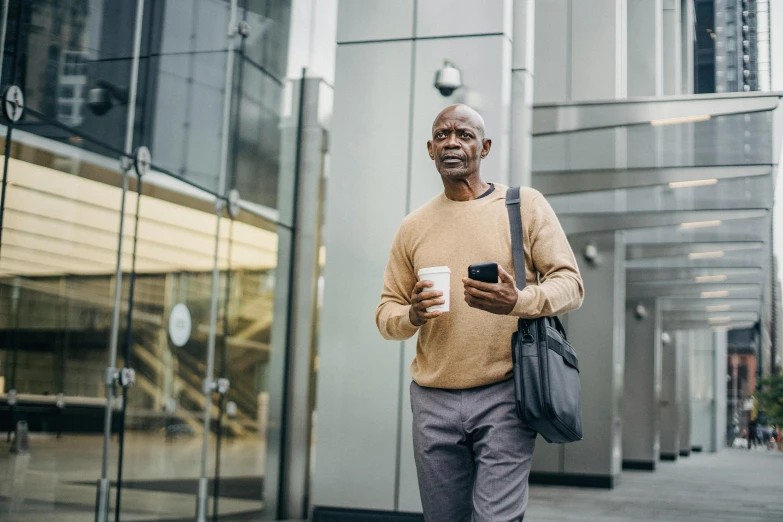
{"x": 145, "y": 304}
{"x": 732, "y": 46}
{"x": 197, "y": 207}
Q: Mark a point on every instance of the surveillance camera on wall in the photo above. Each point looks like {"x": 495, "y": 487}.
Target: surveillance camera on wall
{"x": 99, "y": 101}
{"x": 104, "y": 96}
{"x": 590, "y": 254}
{"x": 448, "y": 79}
{"x": 640, "y": 311}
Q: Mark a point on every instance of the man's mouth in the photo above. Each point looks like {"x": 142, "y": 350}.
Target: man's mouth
{"x": 451, "y": 160}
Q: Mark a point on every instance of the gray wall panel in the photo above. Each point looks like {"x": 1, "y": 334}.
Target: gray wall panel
{"x": 547, "y": 458}
{"x": 521, "y": 153}
{"x": 359, "y": 377}
{"x": 598, "y": 334}
{"x": 688, "y": 44}
{"x": 363, "y": 20}
{"x": 672, "y": 48}
{"x": 552, "y": 52}
{"x": 670, "y": 406}
{"x": 462, "y": 17}
{"x": 687, "y": 341}
{"x": 645, "y": 48}
{"x": 721, "y": 364}
{"x": 524, "y": 34}
{"x": 598, "y": 50}
{"x": 409, "y": 485}
{"x": 486, "y": 72}
{"x": 641, "y": 395}
{"x": 702, "y": 389}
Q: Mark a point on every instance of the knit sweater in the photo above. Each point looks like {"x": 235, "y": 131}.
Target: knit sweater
{"x": 467, "y": 347}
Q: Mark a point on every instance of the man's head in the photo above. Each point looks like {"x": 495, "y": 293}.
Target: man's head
{"x": 458, "y": 144}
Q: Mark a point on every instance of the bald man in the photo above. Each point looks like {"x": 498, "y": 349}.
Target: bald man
{"x": 472, "y": 452}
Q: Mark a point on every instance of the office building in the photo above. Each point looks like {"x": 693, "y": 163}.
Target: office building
{"x": 195, "y": 223}
{"x": 732, "y": 46}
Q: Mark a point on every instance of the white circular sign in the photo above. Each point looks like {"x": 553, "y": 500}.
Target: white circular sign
{"x": 143, "y": 160}
{"x": 179, "y": 325}
{"x": 13, "y": 103}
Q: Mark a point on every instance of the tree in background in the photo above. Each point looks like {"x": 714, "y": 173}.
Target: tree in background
{"x": 770, "y": 398}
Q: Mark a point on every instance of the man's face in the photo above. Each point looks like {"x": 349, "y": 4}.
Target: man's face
{"x": 457, "y": 144}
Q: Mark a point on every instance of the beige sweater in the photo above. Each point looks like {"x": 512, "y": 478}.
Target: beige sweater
{"x": 467, "y": 347}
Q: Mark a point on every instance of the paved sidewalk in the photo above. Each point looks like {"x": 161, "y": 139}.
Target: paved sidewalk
{"x": 730, "y": 486}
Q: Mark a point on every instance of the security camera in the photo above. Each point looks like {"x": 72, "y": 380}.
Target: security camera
{"x": 640, "y": 311}
{"x": 102, "y": 98}
{"x": 590, "y": 254}
{"x": 99, "y": 101}
{"x": 448, "y": 79}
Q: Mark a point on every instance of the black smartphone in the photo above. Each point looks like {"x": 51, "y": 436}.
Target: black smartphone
{"x": 484, "y": 272}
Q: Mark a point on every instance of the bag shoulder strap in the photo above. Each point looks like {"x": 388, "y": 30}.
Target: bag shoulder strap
{"x": 517, "y": 239}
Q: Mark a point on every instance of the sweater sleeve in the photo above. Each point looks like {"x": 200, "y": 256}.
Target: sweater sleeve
{"x": 561, "y": 289}
{"x": 391, "y": 316}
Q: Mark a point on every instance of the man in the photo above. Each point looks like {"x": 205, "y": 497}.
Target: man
{"x": 472, "y": 453}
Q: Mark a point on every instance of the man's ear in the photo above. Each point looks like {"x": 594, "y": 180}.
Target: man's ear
{"x": 485, "y": 146}
{"x": 430, "y": 151}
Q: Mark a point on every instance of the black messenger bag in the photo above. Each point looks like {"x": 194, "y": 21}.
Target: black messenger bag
{"x": 546, "y": 371}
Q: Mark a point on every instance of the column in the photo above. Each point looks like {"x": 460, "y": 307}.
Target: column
{"x": 687, "y": 341}
{"x": 642, "y": 385}
{"x": 521, "y": 153}
{"x": 688, "y": 45}
{"x": 670, "y": 406}
{"x": 702, "y": 377}
{"x": 387, "y": 56}
{"x": 296, "y": 283}
{"x": 358, "y": 404}
{"x": 672, "y": 48}
{"x": 721, "y": 339}
{"x": 582, "y": 54}
{"x": 598, "y": 334}
{"x": 645, "y": 48}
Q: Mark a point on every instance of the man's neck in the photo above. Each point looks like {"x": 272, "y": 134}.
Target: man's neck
{"x": 464, "y": 189}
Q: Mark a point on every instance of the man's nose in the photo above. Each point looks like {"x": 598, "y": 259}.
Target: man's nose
{"x": 452, "y": 141}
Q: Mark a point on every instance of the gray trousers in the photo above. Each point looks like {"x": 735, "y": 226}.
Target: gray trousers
{"x": 472, "y": 452}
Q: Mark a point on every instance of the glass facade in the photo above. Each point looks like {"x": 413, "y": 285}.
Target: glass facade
{"x": 73, "y": 210}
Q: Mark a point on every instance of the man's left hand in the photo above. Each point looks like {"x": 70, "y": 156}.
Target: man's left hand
{"x": 497, "y": 298}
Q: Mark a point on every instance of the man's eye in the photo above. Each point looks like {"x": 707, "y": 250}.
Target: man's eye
{"x": 465, "y": 135}
{"x": 440, "y": 135}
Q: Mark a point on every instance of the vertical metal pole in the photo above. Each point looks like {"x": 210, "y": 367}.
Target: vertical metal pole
{"x": 9, "y": 133}
{"x": 201, "y": 506}
{"x": 102, "y": 511}
{"x": 223, "y": 373}
{"x": 2, "y": 36}
{"x": 128, "y": 339}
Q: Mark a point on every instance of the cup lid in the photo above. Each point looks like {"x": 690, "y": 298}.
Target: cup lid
{"x": 434, "y": 270}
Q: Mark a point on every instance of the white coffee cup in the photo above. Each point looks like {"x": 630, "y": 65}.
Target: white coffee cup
{"x": 441, "y": 277}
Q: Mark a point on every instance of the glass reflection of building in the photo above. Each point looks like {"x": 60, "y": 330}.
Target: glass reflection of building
{"x": 61, "y": 219}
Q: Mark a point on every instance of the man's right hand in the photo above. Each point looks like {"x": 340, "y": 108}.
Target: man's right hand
{"x": 421, "y": 299}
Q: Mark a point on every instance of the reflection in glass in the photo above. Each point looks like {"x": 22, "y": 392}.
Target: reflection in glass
{"x": 243, "y": 357}
{"x": 57, "y": 259}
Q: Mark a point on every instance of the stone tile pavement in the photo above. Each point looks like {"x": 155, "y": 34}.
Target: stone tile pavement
{"x": 730, "y": 486}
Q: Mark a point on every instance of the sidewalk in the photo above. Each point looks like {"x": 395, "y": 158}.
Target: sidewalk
{"x": 730, "y": 486}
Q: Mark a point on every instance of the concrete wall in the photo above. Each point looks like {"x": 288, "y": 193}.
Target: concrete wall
{"x": 642, "y": 385}
{"x": 385, "y": 102}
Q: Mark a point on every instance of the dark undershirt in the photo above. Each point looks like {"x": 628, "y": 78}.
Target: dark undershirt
{"x": 488, "y": 192}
